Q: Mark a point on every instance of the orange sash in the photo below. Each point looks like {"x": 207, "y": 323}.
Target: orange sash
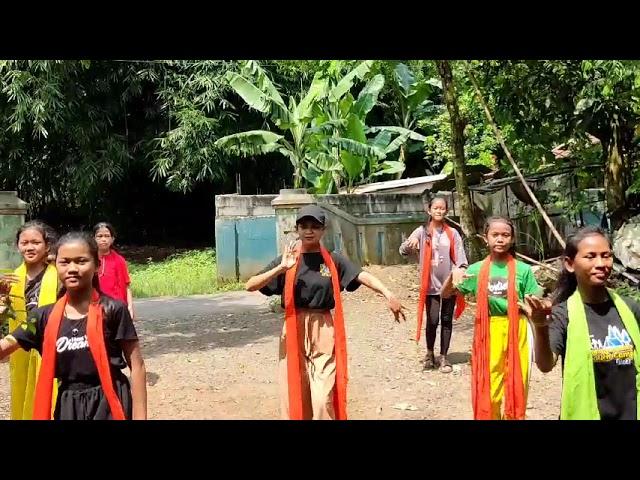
{"x": 515, "y": 405}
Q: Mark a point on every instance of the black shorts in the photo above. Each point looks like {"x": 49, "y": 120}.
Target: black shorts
{"x": 88, "y": 402}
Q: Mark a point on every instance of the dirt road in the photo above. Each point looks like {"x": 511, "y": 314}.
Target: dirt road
{"x": 214, "y": 357}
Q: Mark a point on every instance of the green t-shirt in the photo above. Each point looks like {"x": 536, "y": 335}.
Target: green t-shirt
{"x": 498, "y": 275}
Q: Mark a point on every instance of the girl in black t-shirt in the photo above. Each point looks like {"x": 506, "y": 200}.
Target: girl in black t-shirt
{"x": 86, "y": 339}
{"x": 313, "y": 363}
{"x": 594, "y": 330}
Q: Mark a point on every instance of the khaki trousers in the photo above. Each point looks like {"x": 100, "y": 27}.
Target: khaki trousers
{"x": 317, "y": 368}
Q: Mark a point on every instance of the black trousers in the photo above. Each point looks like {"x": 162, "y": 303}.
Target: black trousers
{"x": 439, "y": 311}
{"x": 88, "y": 402}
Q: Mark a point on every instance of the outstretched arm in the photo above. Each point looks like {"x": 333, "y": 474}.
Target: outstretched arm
{"x": 411, "y": 244}
{"x": 457, "y": 275}
{"x": 258, "y": 281}
{"x": 368, "y": 280}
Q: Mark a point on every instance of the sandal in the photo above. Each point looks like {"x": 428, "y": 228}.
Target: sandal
{"x": 445, "y": 365}
{"x": 429, "y": 361}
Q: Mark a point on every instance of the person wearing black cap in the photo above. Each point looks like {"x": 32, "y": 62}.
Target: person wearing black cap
{"x": 313, "y": 363}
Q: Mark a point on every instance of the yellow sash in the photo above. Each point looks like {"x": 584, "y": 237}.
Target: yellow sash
{"x": 25, "y": 366}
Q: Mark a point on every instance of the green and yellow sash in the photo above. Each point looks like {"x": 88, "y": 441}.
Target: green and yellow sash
{"x": 24, "y": 366}
{"x": 579, "y": 401}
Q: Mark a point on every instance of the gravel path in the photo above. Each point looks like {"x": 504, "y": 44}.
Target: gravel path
{"x": 215, "y": 357}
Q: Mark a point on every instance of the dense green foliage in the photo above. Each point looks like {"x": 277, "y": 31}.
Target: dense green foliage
{"x": 131, "y": 141}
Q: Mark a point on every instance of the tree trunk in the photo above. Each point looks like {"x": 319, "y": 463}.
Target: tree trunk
{"x": 297, "y": 178}
{"x": 457, "y": 148}
{"x": 615, "y": 178}
{"x": 402, "y": 157}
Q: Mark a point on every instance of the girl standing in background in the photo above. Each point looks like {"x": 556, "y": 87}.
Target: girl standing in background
{"x": 113, "y": 273}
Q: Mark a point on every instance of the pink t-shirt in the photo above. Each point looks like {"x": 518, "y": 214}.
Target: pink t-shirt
{"x": 113, "y": 276}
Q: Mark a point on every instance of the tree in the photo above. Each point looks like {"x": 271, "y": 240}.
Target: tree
{"x": 193, "y": 97}
{"x": 553, "y": 102}
{"x": 63, "y": 130}
{"x": 480, "y": 142}
{"x": 457, "y": 147}
{"x": 341, "y": 150}
{"x": 414, "y": 101}
{"x": 322, "y": 140}
{"x": 258, "y": 91}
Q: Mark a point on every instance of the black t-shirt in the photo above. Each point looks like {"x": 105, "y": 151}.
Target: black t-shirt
{"x": 612, "y": 353}
{"x": 74, "y": 363}
{"x": 32, "y": 291}
{"x": 313, "y": 287}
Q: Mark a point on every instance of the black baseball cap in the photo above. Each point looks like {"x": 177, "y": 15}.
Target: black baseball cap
{"x": 311, "y": 211}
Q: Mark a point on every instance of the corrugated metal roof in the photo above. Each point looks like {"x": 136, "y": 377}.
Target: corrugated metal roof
{"x": 497, "y": 183}
{"x": 394, "y": 184}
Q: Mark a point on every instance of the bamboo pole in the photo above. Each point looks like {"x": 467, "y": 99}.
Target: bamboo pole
{"x": 512, "y": 161}
{"x": 524, "y": 257}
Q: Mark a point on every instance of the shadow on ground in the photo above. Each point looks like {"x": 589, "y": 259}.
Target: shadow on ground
{"x": 189, "y": 324}
{"x": 459, "y": 357}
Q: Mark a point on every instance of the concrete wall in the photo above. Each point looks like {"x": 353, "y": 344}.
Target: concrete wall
{"x": 10, "y": 258}
{"x": 375, "y": 203}
{"x": 235, "y": 205}
{"x": 12, "y": 212}
{"x": 367, "y": 228}
{"x": 371, "y": 238}
{"x": 245, "y": 235}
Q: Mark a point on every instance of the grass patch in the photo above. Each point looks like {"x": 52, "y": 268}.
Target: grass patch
{"x": 188, "y": 273}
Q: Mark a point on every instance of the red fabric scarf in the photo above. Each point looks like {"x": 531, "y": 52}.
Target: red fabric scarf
{"x": 95, "y": 338}
{"x": 515, "y": 405}
{"x": 425, "y": 279}
{"x": 294, "y": 375}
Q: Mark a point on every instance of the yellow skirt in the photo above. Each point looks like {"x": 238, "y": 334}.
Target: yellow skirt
{"x": 498, "y": 338}
{"x": 25, "y": 366}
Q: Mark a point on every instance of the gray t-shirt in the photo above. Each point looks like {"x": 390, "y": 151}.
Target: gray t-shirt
{"x": 441, "y": 262}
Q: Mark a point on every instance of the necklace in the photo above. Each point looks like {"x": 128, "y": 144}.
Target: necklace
{"x": 74, "y": 331}
{"x": 439, "y": 232}
{"x": 437, "y": 258}
{"x": 103, "y": 263}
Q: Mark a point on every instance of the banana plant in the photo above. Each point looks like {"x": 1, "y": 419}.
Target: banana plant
{"x": 343, "y": 153}
{"x": 413, "y": 101}
{"x": 326, "y": 167}
{"x": 293, "y": 119}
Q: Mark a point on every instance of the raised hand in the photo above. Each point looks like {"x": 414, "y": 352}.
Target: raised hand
{"x": 413, "y": 244}
{"x": 537, "y": 309}
{"x": 289, "y": 255}
{"x": 459, "y": 275}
